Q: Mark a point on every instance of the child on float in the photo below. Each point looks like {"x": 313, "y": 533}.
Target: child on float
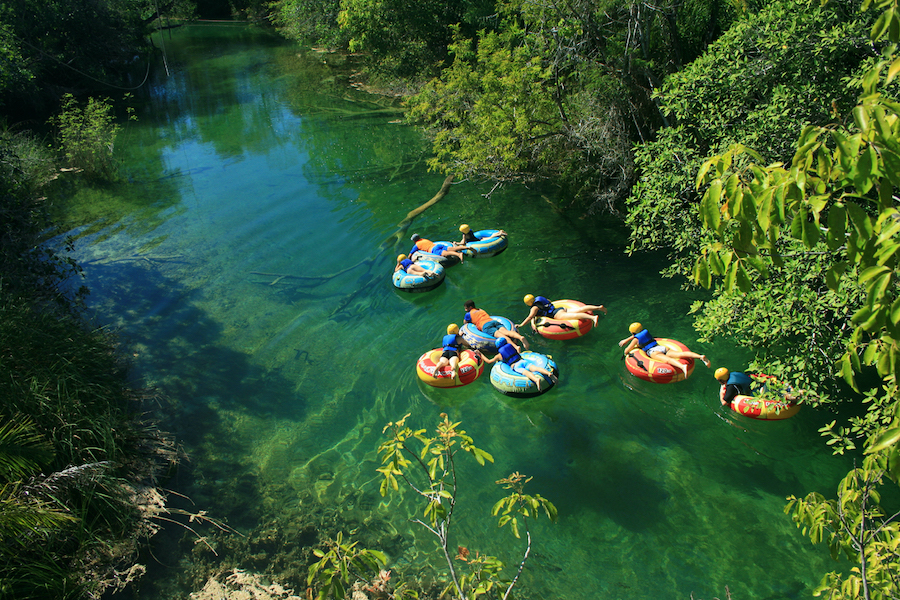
{"x": 541, "y": 307}
{"x": 451, "y": 344}
{"x": 641, "y": 338}
{"x": 420, "y": 244}
{"x": 469, "y": 235}
{"x": 735, "y": 383}
{"x": 408, "y": 266}
{"x": 510, "y": 355}
{"x": 492, "y": 327}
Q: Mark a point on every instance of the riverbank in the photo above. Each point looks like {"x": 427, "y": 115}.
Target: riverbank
{"x": 80, "y": 462}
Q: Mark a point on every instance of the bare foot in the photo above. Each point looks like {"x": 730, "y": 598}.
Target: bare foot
{"x": 595, "y": 319}
{"x": 603, "y": 308}
{"x": 683, "y": 368}
{"x": 705, "y": 360}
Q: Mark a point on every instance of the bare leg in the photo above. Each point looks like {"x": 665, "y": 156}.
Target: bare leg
{"x": 577, "y": 313}
{"x": 454, "y": 364}
{"x": 443, "y": 362}
{"x": 543, "y": 371}
{"x": 689, "y": 354}
{"x": 671, "y": 360}
{"x": 504, "y": 332}
{"x": 526, "y": 371}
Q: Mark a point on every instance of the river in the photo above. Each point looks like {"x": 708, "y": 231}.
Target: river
{"x": 245, "y": 263}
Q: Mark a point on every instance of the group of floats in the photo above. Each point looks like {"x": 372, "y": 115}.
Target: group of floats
{"x": 424, "y": 267}
{"x": 509, "y": 364}
{"x": 514, "y": 373}
{"x": 663, "y": 360}
{"x": 526, "y": 373}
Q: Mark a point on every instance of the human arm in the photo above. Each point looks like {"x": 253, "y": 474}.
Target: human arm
{"x": 461, "y": 342}
{"x": 531, "y": 315}
{"x": 626, "y": 340}
{"x": 488, "y": 359}
{"x": 729, "y": 392}
{"x": 631, "y": 344}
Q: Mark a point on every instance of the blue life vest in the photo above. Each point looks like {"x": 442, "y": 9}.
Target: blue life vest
{"x": 449, "y": 342}
{"x": 545, "y": 307}
{"x": 645, "y": 340}
{"x": 742, "y": 381}
{"x": 509, "y": 355}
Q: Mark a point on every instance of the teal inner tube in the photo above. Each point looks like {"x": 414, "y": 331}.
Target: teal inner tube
{"x": 486, "y": 245}
{"x": 515, "y": 384}
{"x": 409, "y": 282}
{"x": 480, "y": 340}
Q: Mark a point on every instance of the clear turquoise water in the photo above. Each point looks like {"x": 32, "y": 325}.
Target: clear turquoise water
{"x": 252, "y": 157}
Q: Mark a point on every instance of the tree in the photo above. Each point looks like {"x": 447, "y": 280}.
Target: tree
{"x": 559, "y": 91}
{"x": 771, "y": 71}
{"x": 430, "y": 471}
{"x": 48, "y": 47}
{"x": 836, "y": 201}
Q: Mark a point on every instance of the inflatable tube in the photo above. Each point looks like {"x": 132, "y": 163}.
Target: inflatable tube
{"x": 764, "y": 409}
{"x": 470, "y": 368}
{"x": 419, "y": 283}
{"x": 511, "y": 383}
{"x": 649, "y": 369}
{"x": 480, "y": 340}
{"x": 444, "y": 261}
{"x": 563, "y": 330}
{"x": 486, "y": 245}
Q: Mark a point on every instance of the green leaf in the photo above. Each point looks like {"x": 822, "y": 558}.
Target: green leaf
{"x": 861, "y": 117}
{"x": 810, "y": 229}
{"x": 709, "y": 207}
{"x": 895, "y": 317}
{"x": 873, "y": 272}
{"x": 864, "y": 170}
{"x": 861, "y": 222}
{"x": 701, "y": 273}
{"x": 891, "y": 165}
{"x": 743, "y": 280}
{"x": 833, "y": 275}
{"x": 886, "y": 438}
{"x": 837, "y": 226}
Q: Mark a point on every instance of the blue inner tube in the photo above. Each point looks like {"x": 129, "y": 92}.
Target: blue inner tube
{"x": 419, "y": 283}
{"x": 480, "y": 340}
{"x": 515, "y": 384}
{"x": 486, "y": 245}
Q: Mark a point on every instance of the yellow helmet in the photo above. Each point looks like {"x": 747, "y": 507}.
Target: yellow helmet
{"x": 464, "y": 228}
{"x": 452, "y": 328}
{"x": 635, "y": 327}
{"x": 529, "y": 299}
{"x": 401, "y": 258}
{"x": 721, "y": 373}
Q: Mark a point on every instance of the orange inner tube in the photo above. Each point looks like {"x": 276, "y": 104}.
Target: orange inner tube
{"x": 647, "y": 368}
{"x": 470, "y": 368}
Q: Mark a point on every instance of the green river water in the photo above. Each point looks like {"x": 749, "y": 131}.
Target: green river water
{"x": 251, "y": 157}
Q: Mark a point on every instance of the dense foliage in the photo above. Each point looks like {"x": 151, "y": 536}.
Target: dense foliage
{"x": 752, "y": 87}
{"x": 829, "y": 216}
{"x": 76, "y": 464}
{"x": 561, "y": 91}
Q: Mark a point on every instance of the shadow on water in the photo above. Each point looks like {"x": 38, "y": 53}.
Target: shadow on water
{"x": 179, "y": 350}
